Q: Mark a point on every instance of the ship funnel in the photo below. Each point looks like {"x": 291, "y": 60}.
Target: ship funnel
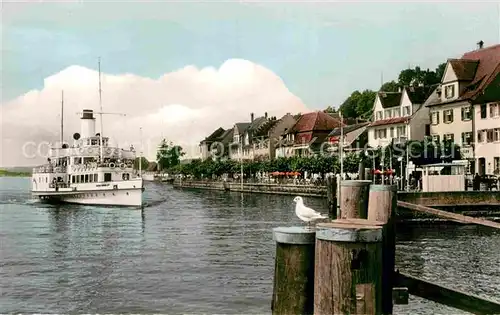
{"x": 87, "y": 123}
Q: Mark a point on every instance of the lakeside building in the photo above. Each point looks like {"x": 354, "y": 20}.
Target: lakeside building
{"x": 355, "y": 137}
{"x": 399, "y": 116}
{"x": 243, "y": 137}
{"x": 460, "y": 112}
{"x": 216, "y": 144}
{"x": 308, "y": 135}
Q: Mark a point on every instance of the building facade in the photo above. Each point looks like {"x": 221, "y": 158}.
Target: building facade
{"x": 308, "y": 136}
{"x": 399, "y": 116}
{"x": 465, "y": 109}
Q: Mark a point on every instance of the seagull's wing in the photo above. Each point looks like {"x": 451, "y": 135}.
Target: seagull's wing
{"x": 309, "y": 213}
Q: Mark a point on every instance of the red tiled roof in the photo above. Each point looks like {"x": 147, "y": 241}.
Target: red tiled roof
{"x": 390, "y": 121}
{"x": 487, "y": 69}
{"x": 315, "y": 121}
{"x": 491, "y": 92}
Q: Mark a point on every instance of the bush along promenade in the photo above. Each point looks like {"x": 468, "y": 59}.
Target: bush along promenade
{"x": 316, "y": 165}
{"x": 419, "y": 153}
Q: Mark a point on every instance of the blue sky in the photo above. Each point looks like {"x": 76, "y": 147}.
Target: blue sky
{"x": 322, "y": 51}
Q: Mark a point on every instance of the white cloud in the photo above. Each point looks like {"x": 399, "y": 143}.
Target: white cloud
{"x": 183, "y": 106}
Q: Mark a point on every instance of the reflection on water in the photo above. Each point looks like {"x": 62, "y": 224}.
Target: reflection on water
{"x": 192, "y": 252}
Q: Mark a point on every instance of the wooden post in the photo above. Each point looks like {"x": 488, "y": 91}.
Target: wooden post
{"x": 354, "y": 199}
{"x": 331, "y": 195}
{"x": 293, "y": 289}
{"x": 361, "y": 170}
{"x": 382, "y": 205}
{"x": 348, "y": 268}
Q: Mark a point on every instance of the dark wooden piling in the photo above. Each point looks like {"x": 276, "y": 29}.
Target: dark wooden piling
{"x": 382, "y": 205}
{"x": 361, "y": 170}
{"x": 348, "y": 265}
{"x": 354, "y": 199}
{"x": 293, "y": 290}
{"x": 331, "y": 196}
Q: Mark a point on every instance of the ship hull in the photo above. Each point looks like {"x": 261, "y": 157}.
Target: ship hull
{"x": 122, "y": 197}
{"x": 125, "y": 193}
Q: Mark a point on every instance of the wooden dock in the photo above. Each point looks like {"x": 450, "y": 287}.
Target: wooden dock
{"x": 346, "y": 266}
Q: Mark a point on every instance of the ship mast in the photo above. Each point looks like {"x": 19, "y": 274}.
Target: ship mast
{"x": 62, "y": 118}
{"x": 100, "y": 113}
{"x": 140, "y": 153}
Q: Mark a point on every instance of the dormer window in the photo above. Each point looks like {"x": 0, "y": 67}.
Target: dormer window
{"x": 406, "y": 111}
{"x": 449, "y": 91}
{"x": 388, "y": 113}
{"x": 378, "y": 115}
{"x": 397, "y": 112}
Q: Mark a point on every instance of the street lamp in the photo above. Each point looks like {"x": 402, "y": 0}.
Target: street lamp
{"x": 400, "y": 159}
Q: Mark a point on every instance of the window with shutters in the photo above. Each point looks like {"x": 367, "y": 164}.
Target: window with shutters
{"x": 483, "y": 111}
{"x": 480, "y": 136}
{"x": 466, "y": 113}
{"x": 401, "y": 131}
{"x": 435, "y": 118}
{"x": 382, "y": 133}
{"x": 496, "y": 134}
{"x": 448, "y": 116}
{"x": 449, "y": 137}
{"x": 466, "y": 138}
{"x": 449, "y": 91}
{"x": 388, "y": 113}
{"x": 494, "y": 110}
{"x": 392, "y": 132}
{"x": 406, "y": 111}
{"x": 489, "y": 135}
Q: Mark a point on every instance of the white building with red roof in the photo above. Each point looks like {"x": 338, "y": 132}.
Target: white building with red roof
{"x": 465, "y": 108}
{"x": 399, "y": 116}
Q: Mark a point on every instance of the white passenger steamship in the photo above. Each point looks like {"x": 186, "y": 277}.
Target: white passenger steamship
{"x": 89, "y": 172}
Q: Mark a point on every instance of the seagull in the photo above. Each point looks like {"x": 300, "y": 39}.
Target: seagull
{"x": 304, "y": 213}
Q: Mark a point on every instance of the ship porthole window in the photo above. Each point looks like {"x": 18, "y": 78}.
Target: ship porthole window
{"x": 113, "y": 194}
{"x": 127, "y": 194}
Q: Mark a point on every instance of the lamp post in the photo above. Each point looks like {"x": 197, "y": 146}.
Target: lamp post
{"x": 400, "y": 159}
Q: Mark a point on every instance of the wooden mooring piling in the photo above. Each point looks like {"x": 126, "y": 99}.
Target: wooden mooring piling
{"x": 347, "y": 265}
{"x": 293, "y": 291}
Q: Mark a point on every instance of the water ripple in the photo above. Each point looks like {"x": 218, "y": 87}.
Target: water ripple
{"x": 192, "y": 252}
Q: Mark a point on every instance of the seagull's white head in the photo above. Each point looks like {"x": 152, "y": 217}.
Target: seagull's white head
{"x": 297, "y": 199}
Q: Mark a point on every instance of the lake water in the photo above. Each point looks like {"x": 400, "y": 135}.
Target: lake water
{"x": 193, "y": 252}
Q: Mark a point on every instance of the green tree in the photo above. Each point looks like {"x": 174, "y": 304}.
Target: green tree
{"x": 391, "y": 86}
{"x": 168, "y": 155}
{"x": 330, "y": 110}
{"x": 358, "y": 104}
{"x": 144, "y": 163}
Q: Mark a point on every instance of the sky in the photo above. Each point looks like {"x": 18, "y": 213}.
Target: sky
{"x": 214, "y": 58}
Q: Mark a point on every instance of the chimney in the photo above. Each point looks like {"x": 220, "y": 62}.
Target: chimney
{"x": 265, "y": 115}
{"x": 480, "y": 44}
{"x": 251, "y": 117}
